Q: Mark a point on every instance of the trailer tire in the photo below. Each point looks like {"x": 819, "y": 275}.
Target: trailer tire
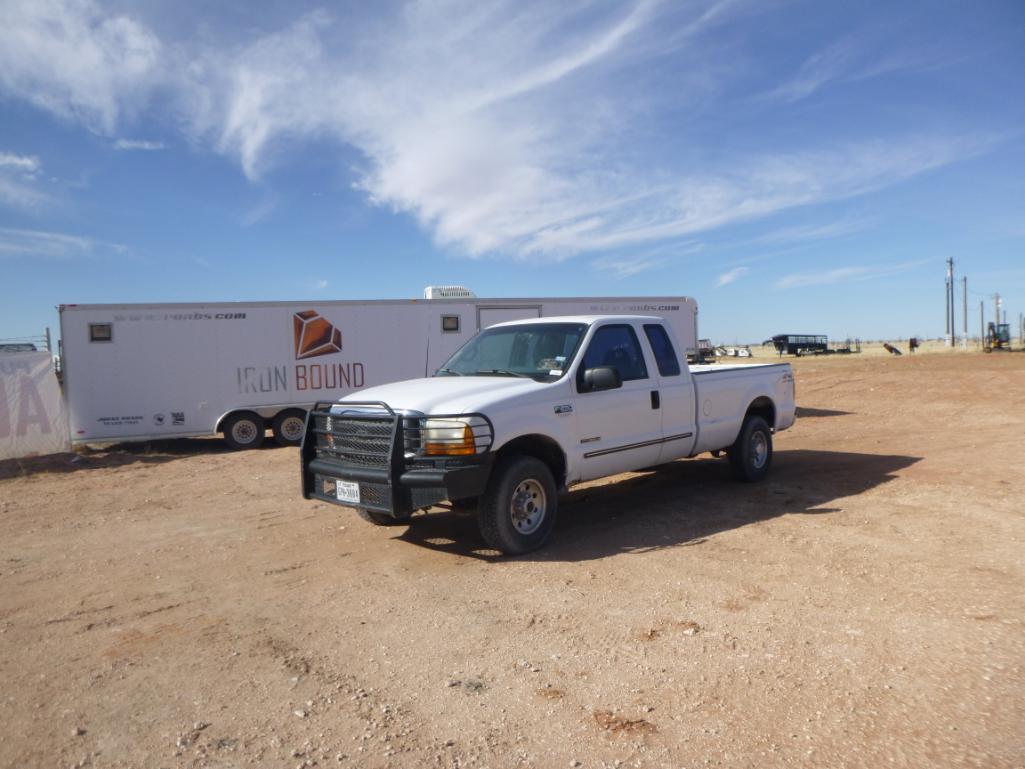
{"x": 517, "y": 511}
{"x": 244, "y": 430}
{"x": 289, "y": 427}
{"x": 383, "y": 519}
{"x": 751, "y": 454}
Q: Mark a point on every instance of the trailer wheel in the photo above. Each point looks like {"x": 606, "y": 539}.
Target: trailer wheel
{"x": 244, "y": 430}
{"x": 751, "y": 454}
{"x": 517, "y": 511}
{"x": 383, "y": 519}
{"x": 289, "y": 427}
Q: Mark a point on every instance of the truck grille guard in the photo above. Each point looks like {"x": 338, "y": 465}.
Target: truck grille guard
{"x": 370, "y": 443}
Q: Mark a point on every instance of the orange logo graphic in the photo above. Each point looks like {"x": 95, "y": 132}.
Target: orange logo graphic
{"x": 314, "y": 336}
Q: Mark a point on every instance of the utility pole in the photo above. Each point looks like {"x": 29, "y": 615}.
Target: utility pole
{"x": 964, "y": 308}
{"x": 950, "y": 302}
{"x": 946, "y": 298}
{"x": 982, "y": 325}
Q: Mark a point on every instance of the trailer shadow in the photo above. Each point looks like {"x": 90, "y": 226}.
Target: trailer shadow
{"x": 683, "y": 503}
{"x": 118, "y": 455}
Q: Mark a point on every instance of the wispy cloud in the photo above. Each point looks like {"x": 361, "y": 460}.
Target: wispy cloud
{"x": 257, "y": 213}
{"x": 41, "y": 243}
{"x": 845, "y": 274}
{"x": 73, "y": 59}
{"x": 139, "y": 144}
{"x": 857, "y": 56}
{"x": 730, "y": 276}
{"x": 19, "y": 186}
{"x": 811, "y": 232}
{"x": 25, "y": 164}
{"x": 627, "y": 266}
{"x": 320, "y": 285}
{"x": 490, "y": 123}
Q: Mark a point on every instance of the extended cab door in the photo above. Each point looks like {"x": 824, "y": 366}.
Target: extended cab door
{"x": 676, "y": 395}
{"x": 618, "y": 429}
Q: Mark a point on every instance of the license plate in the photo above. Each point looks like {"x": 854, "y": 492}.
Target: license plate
{"x": 346, "y": 491}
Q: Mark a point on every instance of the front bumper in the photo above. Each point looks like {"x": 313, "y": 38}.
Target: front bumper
{"x": 370, "y": 449}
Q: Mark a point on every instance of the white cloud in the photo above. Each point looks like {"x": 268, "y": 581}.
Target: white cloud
{"x": 809, "y": 232}
{"x": 19, "y": 187}
{"x": 258, "y": 212}
{"x": 40, "y": 243}
{"x": 845, "y": 275}
{"x": 857, "y": 56}
{"x": 138, "y": 144}
{"x": 731, "y": 275}
{"x": 492, "y": 123}
{"x": 26, "y": 164}
{"x": 71, "y": 58}
{"x": 320, "y": 285}
{"x": 627, "y": 267}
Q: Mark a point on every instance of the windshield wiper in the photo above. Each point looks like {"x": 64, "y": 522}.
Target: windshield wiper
{"x": 505, "y": 372}
{"x": 448, "y": 371}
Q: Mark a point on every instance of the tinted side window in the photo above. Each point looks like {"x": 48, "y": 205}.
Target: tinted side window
{"x": 665, "y": 355}
{"x": 616, "y": 346}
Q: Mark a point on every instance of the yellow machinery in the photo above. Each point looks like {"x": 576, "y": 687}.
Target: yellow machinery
{"x": 998, "y": 337}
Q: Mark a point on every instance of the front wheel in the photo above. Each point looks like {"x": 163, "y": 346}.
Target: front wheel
{"x": 517, "y": 512}
{"x": 751, "y": 454}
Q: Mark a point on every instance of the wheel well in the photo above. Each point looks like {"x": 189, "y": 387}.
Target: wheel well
{"x": 763, "y": 407}
{"x": 540, "y": 447}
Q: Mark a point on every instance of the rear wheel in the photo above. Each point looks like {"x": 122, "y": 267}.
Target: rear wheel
{"x": 289, "y": 427}
{"x": 751, "y": 454}
{"x": 244, "y": 430}
{"x": 383, "y": 519}
{"x": 517, "y": 512}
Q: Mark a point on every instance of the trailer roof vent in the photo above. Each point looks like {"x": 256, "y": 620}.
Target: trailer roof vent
{"x": 448, "y": 292}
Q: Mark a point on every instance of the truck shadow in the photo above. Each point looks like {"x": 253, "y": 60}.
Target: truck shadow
{"x": 679, "y": 504}
{"x": 803, "y": 412}
{"x": 118, "y": 455}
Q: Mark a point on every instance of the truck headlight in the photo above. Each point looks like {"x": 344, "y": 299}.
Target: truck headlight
{"x": 455, "y": 436}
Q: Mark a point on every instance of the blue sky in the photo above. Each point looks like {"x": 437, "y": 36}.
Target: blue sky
{"x": 795, "y": 166}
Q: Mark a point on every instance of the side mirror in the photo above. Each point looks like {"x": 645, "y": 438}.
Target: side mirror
{"x": 601, "y": 378}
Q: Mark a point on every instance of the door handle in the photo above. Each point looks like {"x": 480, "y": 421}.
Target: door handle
{"x": 656, "y": 401}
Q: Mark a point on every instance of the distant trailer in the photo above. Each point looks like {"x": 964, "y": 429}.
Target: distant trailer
{"x": 801, "y": 344}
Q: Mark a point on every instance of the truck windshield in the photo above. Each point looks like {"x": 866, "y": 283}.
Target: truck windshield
{"x": 541, "y": 351}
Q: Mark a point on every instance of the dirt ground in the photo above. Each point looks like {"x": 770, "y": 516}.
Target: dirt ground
{"x": 179, "y": 605}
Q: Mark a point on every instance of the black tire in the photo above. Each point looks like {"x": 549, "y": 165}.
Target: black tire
{"x": 751, "y": 454}
{"x": 289, "y": 427}
{"x": 244, "y": 430}
{"x": 383, "y": 519}
{"x": 520, "y": 488}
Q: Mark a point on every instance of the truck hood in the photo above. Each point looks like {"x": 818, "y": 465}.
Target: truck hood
{"x": 447, "y": 395}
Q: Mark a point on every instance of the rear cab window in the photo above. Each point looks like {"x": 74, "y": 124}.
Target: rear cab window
{"x": 662, "y": 347}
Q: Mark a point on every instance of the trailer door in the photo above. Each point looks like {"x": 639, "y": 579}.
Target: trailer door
{"x": 489, "y": 315}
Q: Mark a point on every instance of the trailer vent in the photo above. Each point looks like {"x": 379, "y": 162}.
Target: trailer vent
{"x": 448, "y": 292}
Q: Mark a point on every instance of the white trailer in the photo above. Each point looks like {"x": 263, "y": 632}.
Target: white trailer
{"x": 136, "y": 372}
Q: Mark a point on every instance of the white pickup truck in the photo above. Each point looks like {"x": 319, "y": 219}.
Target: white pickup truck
{"x": 528, "y": 408}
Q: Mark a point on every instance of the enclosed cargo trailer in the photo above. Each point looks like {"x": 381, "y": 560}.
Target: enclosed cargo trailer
{"x": 137, "y": 372}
